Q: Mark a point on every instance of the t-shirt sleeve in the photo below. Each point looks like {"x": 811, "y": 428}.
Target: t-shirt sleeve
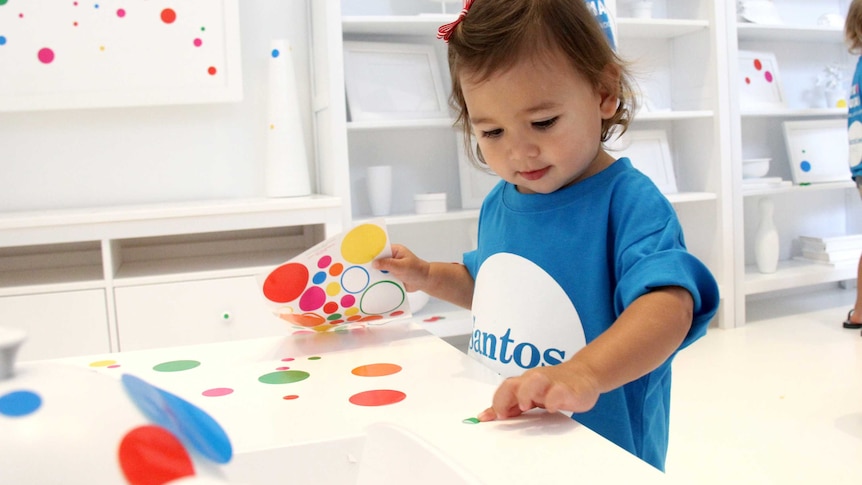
{"x": 660, "y": 259}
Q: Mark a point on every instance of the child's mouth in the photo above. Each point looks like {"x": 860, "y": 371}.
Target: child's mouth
{"x": 535, "y": 174}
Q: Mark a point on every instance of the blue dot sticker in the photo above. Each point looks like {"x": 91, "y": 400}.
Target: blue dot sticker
{"x": 2, "y": 40}
{"x": 319, "y": 277}
{"x": 275, "y": 53}
{"x": 19, "y": 403}
{"x": 805, "y": 166}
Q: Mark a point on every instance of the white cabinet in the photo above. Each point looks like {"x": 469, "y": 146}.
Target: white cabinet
{"x": 191, "y": 312}
{"x": 679, "y": 58}
{"x": 121, "y": 278}
{"x": 58, "y": 324}
{"x": 802, "y": 49}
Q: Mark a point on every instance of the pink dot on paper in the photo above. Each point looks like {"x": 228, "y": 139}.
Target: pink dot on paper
{"x": 348, "y": 301}
{"x": 324, "y": 262}
{"x": 198, "y": 42}
{"x": 768, "y": 76}
{"x": 287, "y": 359}
{"x": 46, "y": 55}
{"x": 312, "y": 299}
{"x": 121, "y": 12}
{"x": 217, "y": 391}
{"x": 747, "y": 80}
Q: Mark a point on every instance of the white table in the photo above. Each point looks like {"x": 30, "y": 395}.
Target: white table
{"x": 309, "y": 431}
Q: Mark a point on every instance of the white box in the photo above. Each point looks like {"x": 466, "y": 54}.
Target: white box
{"x": 433, "y": 203}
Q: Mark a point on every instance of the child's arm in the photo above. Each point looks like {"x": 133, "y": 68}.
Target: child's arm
{"x": 641, "y": 339}
{"x": 447, "y": 281}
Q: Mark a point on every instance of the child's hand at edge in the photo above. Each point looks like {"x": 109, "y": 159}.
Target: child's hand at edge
{"x": 405, "y": 266}
{"x": 562, "y": 387}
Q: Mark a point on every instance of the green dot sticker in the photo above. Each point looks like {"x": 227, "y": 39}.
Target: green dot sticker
{"x": 176, "y": 365}
{"x": 284, "y": 377}
{"x": 471, "y": 421}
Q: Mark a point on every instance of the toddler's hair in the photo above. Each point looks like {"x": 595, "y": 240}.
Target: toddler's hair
{"x": 853, "y": 27}
{"x": 496, "y": 34}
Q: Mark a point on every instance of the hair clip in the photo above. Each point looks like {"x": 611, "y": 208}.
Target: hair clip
{"x": 445, "y": 31}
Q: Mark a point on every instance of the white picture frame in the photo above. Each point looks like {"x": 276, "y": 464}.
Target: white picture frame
{"x": 649, "y": 152}
{"x": 476, "y": 183}
{"x": 817, "y": 150}
{"x": 393, "y": 81}
{"x": 149, "y": 55}
{"x": 759, "y": 82}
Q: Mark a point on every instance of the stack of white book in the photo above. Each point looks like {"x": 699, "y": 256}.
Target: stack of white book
{"x": 838, "y": 250}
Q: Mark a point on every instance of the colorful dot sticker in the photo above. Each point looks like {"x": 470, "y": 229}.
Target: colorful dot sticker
{"x": 471, "y": 421}
{"x": 376, "y": 370}
{"x": 284, "y": 377}
{"x": 379, "y": 397}
{"x": 217, "y": 392}
{"x": 151, "y": 454}
{"x": 19, "y": 403}
{"x": 176, "y": 366}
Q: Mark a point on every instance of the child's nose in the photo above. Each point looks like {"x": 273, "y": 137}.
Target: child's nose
{"x": 523, "y": 147}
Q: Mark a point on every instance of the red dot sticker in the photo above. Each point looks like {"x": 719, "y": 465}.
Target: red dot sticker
{"x": 151, "y": 455}
{"x": 380, "y": 397}
{"x": 286, "y": 282}
{"x": 212, "y": 71}
{"x": 168, "y": 15}
{"x": 757, "y": 64}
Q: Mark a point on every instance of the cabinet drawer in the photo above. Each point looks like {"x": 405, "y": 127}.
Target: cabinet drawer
{"x": 63, "y": 324}
{"x": 193, "y": 312}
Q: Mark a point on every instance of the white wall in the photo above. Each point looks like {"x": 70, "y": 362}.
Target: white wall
{"x": 101, "y": 157}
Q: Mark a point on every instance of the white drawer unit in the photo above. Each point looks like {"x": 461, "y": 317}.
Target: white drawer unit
{"x": 61, "y": 324}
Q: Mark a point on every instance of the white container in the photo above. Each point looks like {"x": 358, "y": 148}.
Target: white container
{"x": 755, "y": 167}
{"x": 434, "y": 203}
{"x": 379, "y": 184}
{"x": 642, "y": 9}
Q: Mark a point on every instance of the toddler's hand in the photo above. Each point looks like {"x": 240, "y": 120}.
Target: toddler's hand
{"x": 405, "y": 266}
{"x": 554, "y": 388}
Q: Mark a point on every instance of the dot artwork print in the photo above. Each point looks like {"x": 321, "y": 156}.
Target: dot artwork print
{"x": 333, "y": 285}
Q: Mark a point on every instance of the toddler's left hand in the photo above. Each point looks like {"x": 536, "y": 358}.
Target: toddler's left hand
{"x": 554, "y": 388}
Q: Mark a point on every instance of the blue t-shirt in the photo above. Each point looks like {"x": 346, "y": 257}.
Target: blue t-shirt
{"x": 854, "y": 123}
{"x": 554, "y": 271}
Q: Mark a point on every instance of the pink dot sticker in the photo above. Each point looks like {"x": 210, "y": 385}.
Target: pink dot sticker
{"x": 217, "y": 392}
{"x": 46, "y": 55}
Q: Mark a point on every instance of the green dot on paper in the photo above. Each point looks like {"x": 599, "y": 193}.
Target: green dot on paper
{"x": 176, "y": 365}
{"x": 471, "y": 421}
{"x": 284, "y": 377}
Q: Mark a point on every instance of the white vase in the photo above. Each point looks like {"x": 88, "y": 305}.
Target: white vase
{"x": 766, "y": 238}
{"x": 286, "y": 172}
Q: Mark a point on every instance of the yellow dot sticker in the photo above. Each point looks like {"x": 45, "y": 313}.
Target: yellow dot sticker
{"x": 363, "y": 243}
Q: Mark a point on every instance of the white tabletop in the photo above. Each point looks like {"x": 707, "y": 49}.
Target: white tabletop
{"x": 441, "y": 387}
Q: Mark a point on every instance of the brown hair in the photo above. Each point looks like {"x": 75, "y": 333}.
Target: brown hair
{"x": 853, "y": 27}
{"x": 496, "y": 34}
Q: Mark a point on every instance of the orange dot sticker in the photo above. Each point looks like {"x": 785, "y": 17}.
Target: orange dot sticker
{"x": 376, "y": 370}
{"x": 379, "y": 397}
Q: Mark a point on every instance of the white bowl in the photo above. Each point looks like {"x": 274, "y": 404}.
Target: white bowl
{"x": 755, "y": 167}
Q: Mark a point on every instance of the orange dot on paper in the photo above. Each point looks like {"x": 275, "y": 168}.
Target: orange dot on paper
{"x": 376, "y": 370}
{"x": 363, "y": 243}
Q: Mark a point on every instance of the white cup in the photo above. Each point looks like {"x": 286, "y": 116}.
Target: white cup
{"x": 642, "y": 9}
{"x": 379, "y": 183}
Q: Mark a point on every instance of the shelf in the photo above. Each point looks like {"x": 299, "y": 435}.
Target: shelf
{"x": 795, "y": 113}
{"x": 425, "y": 24}
{"x": 400, "y": 124}
{"x": 685, "y": 197}
{"x": 628, "y": 28}
{"x": 800, "y": 189}
{"x": 792, "y": 274}
{"x": 670, "y": 115}
{"x": 456, "y": 215}
{"x": 784, "y": 33}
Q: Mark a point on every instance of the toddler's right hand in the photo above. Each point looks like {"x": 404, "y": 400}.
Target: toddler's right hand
{"x": 405, "y": 266}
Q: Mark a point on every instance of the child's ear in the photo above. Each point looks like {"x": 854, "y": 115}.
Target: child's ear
{"x": 609, "y": 90}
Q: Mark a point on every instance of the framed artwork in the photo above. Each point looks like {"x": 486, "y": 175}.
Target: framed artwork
{"x": 649, "y": 152}
{"x": 392, "y": 81}
{"x": 759, "y": 81}
{"x": 475, "y": 182}
{"x": 817, "y": 150}
{"x": 64, "y": 55}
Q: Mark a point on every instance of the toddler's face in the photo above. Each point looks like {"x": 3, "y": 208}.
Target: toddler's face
{"x": 539, "y": 124}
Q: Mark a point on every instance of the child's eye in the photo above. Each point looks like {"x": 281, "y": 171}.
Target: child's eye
{"x": 544, "y": 125}
{"x": 492, "y": 133}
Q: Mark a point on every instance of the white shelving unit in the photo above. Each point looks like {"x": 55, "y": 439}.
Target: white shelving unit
{"x": 688, "y": 92}
{"x": 802, "y": 49}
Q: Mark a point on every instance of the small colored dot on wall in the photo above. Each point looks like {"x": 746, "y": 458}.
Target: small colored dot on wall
{"x": 121, "y": 13}
{"x": 212, "y": 71}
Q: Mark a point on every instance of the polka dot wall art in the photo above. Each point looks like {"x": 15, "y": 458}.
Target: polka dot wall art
{"x": 760, "y": 84}
{"x": 72, "y": 54}
{"x": 333, "y": 285}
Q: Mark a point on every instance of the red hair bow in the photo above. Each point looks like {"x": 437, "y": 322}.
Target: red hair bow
{"x": 445, "y": 31}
